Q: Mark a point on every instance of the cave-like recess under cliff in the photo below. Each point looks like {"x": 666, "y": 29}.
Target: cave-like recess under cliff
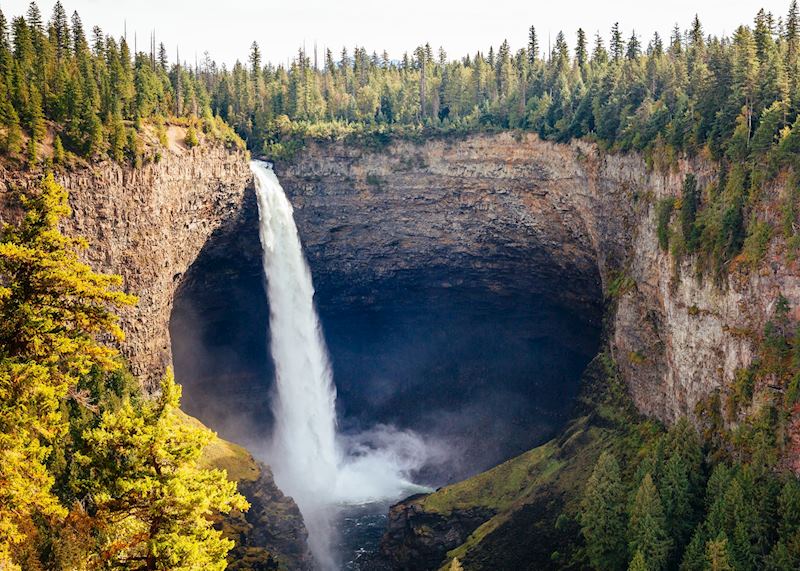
{"x": 464, "y": 321}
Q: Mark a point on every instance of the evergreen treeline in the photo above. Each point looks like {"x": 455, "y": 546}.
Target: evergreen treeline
{"x": 92, "y": 90}
{"x": 721, "y": 499}
{"x": 733, "y": 99}
{"x": 685, "y": 93}
{"x": 675, "y": 510}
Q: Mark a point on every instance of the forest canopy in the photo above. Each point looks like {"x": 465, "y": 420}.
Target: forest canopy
{"x": 733, "y": 99}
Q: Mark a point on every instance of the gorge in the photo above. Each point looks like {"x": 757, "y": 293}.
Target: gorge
{"x": 508, "y": 244}
{"x": 504, "y": 309}
{"x": 505, "y": 242}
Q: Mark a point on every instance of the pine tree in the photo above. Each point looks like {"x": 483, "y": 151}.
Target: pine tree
{"x": 255, "y": 61}
{"x": 617, "y": 45}
{"x": 146, "y": 462}
{"x": 789, "y": 508}
{"x": 78, "y": 35}
{"x": 638, "y": 563}
{"x": 792, "y": 38}
{"x": 58, "y": 151}
{"x": 675, "y": 43}
{"x": 647, "y": 527}
{"x": 40, "y": 358}
{"x": 118, "y": 139}
{"x": 602, "y": 515}
{"x": 31, "y": 154}
{"x": 36, "y": 124}
{"x": 163, "y": 60}
{"x": 581, "y": 51}
{"x": 694, "y": 557}
{"x": 634, "y": 49}
{"x": 696, "y": 34}
{"x": 191, "y": 137}
{"x": 675, "y": 491}
{"x": 690, "y": 199}
{"x": 717, "y": 554}
{"x": 599, "y": 53}
{"x": 656, "y": 47}
{"x": 533, "y": 46}
{"x": 12, "y": 143}
{"x": 60, "y": 26}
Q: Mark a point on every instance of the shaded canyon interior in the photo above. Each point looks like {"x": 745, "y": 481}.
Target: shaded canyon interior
{"x": 445, "y": 304}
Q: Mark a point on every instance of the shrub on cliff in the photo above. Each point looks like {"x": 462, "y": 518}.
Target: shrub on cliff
{"x": 191, "y": 139}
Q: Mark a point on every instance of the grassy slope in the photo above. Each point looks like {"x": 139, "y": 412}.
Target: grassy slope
{"x": 234, "y": 459}
{"x": 536, "y": 495}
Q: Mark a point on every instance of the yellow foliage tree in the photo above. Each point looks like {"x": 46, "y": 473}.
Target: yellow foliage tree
{"x": 53, "y": 309}
{"x": 154, "y": 492}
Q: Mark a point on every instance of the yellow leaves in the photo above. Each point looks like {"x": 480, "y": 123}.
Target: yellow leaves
{"x": 24, "y": 491}
{"x": 149, "y": 457}
{"x": 53, "y": 309}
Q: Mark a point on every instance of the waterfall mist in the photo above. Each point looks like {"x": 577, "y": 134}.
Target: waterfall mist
{"x": 311, "y": 463}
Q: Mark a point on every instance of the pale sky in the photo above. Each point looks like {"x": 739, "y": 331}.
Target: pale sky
{"x": 227, "y": 28}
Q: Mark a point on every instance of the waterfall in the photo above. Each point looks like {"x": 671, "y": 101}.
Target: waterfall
{"x": 311, "y": 463}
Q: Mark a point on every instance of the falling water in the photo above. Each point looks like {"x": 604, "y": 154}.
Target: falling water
{"x": 311, "y": 464}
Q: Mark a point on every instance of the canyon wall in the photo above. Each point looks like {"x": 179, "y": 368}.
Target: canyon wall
{"x": 148, "y": 225}
{"x": 514, "y": 212}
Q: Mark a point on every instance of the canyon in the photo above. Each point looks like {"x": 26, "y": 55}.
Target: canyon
{"x": 498, "y": 252}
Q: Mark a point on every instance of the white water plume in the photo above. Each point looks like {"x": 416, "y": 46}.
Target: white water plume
{"x": 311, "y": 464}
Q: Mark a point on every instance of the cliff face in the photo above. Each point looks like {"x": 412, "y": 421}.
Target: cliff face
{"x": 148, "y": 225}
{"x": 554, "y": 220}
{"x": 559, "y": 221}
{"x": 271, "y": 534}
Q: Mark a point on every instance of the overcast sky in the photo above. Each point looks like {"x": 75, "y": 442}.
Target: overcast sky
{"x": 226, "y": 28}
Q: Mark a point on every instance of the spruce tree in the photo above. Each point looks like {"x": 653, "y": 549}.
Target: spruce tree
{"x": 58, "y": 151}
{"x": 602, "y": 515}
{"x": 647, "y": 527}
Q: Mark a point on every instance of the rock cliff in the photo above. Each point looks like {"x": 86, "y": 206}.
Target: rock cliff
{"x": 557, "y": 221}
{"x": 560, "y": 221}
{"x": 148, "y": 225}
